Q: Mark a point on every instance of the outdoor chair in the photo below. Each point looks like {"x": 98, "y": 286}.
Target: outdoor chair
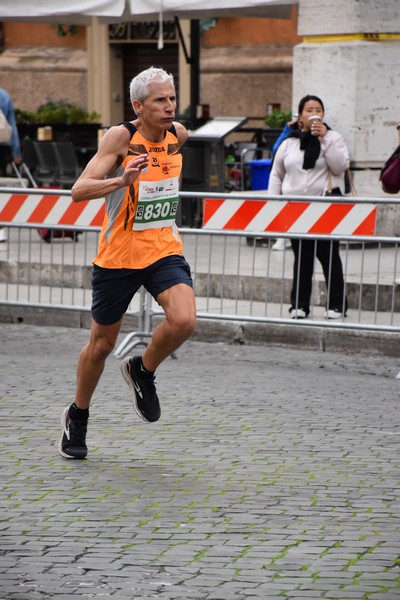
{"x": 67, "y": 163}
{"x": 47, "y": 169}
{"x": 29, "y": 155}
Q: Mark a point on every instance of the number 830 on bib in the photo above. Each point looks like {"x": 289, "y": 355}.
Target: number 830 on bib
{"x": 157, "y": 204}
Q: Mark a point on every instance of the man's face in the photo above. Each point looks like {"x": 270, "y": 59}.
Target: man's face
{"x": 158, "y": 109}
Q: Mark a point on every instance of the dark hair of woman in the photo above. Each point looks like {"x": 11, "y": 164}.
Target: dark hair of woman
{"x": 307, "y": 99}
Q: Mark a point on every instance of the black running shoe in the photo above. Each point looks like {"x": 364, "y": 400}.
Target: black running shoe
{"x": 73, "y": 438}
{"x": 145, "y": 399}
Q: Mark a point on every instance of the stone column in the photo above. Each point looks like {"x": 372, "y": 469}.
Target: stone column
{"x": 350, "y": 57}
{"x": 99, "y": 74}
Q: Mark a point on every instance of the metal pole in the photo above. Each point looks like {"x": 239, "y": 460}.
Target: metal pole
{"x": 194, "y": 67}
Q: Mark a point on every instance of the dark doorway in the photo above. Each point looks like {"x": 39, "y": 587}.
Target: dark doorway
{"x": 137, "y": 57}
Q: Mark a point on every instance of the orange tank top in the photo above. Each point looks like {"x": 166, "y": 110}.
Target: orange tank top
{"x": 139, "y": 225}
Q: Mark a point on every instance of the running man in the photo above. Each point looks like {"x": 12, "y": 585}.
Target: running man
{"x": 137, "y": 169}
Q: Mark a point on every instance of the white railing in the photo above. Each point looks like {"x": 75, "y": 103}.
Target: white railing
{"x": 237, "y": 276}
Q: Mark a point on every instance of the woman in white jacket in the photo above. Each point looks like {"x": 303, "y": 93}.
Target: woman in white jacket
{"x": 301, "y": 168}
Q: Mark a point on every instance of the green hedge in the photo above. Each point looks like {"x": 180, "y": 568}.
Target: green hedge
{"x": 56, "y": 112}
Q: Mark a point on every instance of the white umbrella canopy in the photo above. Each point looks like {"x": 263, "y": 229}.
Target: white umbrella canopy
{"x": 80, "y": 12}
{"x": 77, "y": 12}
{"x": 198, "y": 9}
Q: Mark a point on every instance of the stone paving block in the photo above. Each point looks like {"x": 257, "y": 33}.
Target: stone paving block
{"x": 12, "y": 595}
{"x": 238, "y": 486}
{"x": 386, "y": 595}
{"x": 298, "y": 593}
{"x": 344, "y": 594}
{"x": 260, "y": 594}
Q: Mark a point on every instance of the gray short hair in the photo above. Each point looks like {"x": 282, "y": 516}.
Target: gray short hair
{"x": 139, "y": 86}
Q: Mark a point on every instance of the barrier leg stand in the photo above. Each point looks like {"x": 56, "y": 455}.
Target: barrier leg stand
{"x": 18, "y": 172}
{"x": 144, "y": 331}
{"x": 126, "y": 345}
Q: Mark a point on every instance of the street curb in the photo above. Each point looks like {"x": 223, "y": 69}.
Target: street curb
{"x": 339, "y": 340}
{"x": 343, "y": 340}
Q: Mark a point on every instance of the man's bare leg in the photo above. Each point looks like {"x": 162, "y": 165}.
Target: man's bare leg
{"x": 92, "y": 360}
{"x": 179, "y": 306}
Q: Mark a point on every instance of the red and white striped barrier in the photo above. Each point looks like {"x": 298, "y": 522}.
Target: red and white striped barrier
{"x": 290, "y": 217}
{"x": 50, "y": 209}
{"x": 241, "y": 215}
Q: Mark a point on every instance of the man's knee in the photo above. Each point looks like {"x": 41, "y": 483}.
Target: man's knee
{"x": 103, "y": 339}
{"x": 180, "y": 309}
{"x": 182, "y": 324}
{"x": 189, "y": 325}
{"x": 101, "y": 348}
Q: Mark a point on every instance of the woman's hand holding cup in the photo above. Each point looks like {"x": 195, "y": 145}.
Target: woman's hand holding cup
{"x": 315, "y": 121}
{"x": 317, "y": 127}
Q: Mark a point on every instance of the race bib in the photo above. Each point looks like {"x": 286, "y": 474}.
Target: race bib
{"x": 157, "y": 204}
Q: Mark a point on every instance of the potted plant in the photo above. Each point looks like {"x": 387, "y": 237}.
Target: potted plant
{"x": 275, "y": 122}
{"x": 68, "y": 122}
{"x": 278, "y": 119}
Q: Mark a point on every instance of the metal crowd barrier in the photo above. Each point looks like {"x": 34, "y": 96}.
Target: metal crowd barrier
{"x": 237, "y": 276}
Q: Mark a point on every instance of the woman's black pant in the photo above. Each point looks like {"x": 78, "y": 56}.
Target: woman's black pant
{"x": 5, "y": 159}
{"x": 327, "y": 253}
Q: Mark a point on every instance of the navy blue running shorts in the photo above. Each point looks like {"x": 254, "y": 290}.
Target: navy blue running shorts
{"x": 113, "y": 289}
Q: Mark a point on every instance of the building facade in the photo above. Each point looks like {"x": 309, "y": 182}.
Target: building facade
{"x": 245, "y": 64}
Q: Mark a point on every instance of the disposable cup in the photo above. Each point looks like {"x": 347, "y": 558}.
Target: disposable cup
{"x": 312, "y": 119}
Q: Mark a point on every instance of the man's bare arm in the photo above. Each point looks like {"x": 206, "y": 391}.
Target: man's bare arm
{"x": 112, "y": 150}
{"x": 181, "y": 133}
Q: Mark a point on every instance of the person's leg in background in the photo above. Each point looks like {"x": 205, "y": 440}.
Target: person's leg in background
{"x": 329, "y": 257}
{"x": 281, "y": 244}
{"x": 303, "y": 269}
{"x": 5, "y": 159}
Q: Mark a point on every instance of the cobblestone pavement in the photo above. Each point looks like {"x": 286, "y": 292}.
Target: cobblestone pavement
{"x": 272, "y": 473}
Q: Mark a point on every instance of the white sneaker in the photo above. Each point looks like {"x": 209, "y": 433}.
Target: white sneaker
{"x": 298, "y": 313}
{"x": 3, "y": 235}
{"x": 334, "y": 313}
{"x": 281, "y": 244}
